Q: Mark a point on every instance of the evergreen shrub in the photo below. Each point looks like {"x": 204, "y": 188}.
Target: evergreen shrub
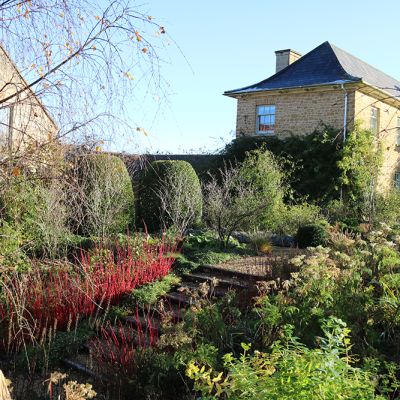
{"x": 105, "y": 202}
{"x": 170, "y": 192}
{"x": 311, "y": 235}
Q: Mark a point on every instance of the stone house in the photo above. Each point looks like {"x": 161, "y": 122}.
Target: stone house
{"x": 330, "y": 86}
{"x": 24, "y": 121}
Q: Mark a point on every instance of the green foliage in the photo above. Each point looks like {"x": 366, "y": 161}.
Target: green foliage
{"x": 359, "y": 169}
{"x": 11, "y": 248}
{"x": 388, "y": 208}
{"x": 290, "y": 217}
{"x": 205, "y": 248}
{"x": 222, "y": 324}
{"x": 290, "y": 371}
{"x": 169, "y": 191}
{"x": 149, "y": 294}
{"x": 356, "y": 272}
{"x": 246, "y": 196}
{"x": 35, "y": 208}
{"x": 204, "y": 353}
{"x": 54, "y": 349}
{"x": 105, "y": 203}
{"x": 153, "y": 376}
{"x": 311, "y": 235}
{"x": 310, "y": 160}
{"x": 143, "y": 297}
{"x": 263, "y": 172}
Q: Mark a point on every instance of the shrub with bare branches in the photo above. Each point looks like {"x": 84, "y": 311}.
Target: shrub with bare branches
{"x": 245, "y": 196}
{"x": 101, "y": 199}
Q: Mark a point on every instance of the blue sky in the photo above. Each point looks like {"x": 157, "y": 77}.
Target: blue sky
{"x": 229, "y": 44}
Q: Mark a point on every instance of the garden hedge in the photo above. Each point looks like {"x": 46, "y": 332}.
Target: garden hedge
{"x": 161, "y": 173}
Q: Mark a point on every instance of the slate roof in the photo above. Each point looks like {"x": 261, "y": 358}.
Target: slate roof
{"x": 325, "y": 65}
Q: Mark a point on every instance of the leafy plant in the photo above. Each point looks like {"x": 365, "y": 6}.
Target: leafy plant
{"x": 311, "y": 235}
{"x": 58, "y": 296}
{"x": 290, "y": 371}
{"x": 149, "y": 294}
{"x": 359, "y": 169}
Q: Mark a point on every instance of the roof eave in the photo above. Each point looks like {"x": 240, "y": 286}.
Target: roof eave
{"x": 234, "y": 93}
{"x": 381, "y": 94}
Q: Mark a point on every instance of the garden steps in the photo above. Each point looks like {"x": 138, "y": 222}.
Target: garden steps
{"x": 188, "y": 293}
{"x": 83, "y": 363}
{"x": 213, "y": 270}
{"x": 195, "y": 288}
{"x": 181, "y": 299}
{"x": 182, "y": 296}
{"x": 222, "y": 279}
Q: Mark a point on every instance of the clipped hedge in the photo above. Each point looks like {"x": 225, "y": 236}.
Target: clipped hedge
{"x": 170, "y": 176}
{"x": 107, "y": 204}
{"x": 311, "y": 235}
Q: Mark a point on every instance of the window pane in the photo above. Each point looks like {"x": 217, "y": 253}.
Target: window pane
{"x": 398, "y": 131}
{"x": 397, "y": 180}
{"x": 4, "y": 125}
{"x": 265, "y": 119}
{"x": 374, "y": 120}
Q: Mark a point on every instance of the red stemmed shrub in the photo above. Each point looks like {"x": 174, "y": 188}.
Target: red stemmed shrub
{"x": 59, "y": 295}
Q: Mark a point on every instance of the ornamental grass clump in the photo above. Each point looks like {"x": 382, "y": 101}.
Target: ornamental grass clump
{"x": 118, "y": 348}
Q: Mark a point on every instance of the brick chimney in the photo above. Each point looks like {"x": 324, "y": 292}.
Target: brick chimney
{"x": 285, "y": 58}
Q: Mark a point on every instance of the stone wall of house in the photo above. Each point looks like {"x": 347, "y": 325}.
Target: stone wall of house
{"x": 31, "y": 124}
{"x": 297, "y": 112}
{"x": 387, "y": 124}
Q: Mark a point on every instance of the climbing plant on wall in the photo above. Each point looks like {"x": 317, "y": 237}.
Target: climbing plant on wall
{"x": 359, "y": 167}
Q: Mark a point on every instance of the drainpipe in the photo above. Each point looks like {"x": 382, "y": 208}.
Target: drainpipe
{"x": 346, "y": 100}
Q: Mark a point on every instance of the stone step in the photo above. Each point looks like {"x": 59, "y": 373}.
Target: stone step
{"x": 83, "y": 364}
{"x": 231, "y": 273}
{"x": 190, "y": 287}
{"x": 221, "y": 280}
{"x": 179, "y": 298}
{"x": 186, "y": 299}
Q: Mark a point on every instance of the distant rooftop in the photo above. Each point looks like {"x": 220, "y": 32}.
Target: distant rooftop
{"x": 326, "y": 64}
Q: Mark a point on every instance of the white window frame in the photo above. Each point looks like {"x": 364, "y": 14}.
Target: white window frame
{"x": 396, "y": 182}
{"x": 374, "y": 120}
{"x": 6, "y": 115}
{"x": 398, "y": 132}
{"x": 268, "y": 111}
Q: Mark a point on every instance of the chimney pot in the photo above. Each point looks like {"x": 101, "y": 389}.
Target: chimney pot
{"x": 285, "y": 58}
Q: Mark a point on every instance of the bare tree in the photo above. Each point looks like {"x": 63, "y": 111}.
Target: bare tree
{"x": 232, "y": 203}
{"x": 100, "y": 195}
{"x": 82, "y": 61}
